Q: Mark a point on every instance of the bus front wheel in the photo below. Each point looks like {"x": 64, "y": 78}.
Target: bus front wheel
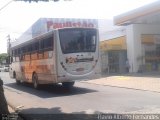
{"x": 35, "y": 81}
{"x": 68, "y": 85}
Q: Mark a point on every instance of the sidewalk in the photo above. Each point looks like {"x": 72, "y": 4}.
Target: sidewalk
{"x": 140, "y": 81}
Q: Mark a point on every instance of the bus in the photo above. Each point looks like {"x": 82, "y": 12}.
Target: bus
{"x": 61, "y": 55}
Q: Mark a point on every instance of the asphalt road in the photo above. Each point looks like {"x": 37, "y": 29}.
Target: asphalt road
{"x": 83, "y": 98}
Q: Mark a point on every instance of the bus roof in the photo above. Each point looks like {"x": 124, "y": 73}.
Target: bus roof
{"x": 18, "y": 43}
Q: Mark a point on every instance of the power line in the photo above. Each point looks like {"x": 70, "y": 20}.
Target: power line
{"x": 6, "y": 5}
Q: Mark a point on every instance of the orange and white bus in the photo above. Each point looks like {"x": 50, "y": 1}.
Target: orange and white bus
{"x": 64, "y": 54}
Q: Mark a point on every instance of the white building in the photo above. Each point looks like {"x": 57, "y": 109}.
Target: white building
{"x": 141, "y": 31}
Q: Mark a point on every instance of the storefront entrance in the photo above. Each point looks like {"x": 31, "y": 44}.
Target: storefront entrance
{"x": 117, "y": 61}
{"x": 151, "y": 52}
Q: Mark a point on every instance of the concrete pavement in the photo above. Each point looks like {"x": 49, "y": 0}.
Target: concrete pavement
{"x": 143, "y": 81}
{"x": 139, "y": 81}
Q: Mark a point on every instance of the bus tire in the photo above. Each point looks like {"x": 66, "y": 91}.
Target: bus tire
{"x": 35, "y": 81}
{"x": 15, "y": 77}
{"x": 68, "y": 85}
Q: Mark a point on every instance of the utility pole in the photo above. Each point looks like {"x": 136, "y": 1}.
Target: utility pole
{"x": 9, "y": 47}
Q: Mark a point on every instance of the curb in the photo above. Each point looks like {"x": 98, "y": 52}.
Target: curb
{"x": 123, "y": 87}
{"x": 15, "y": 108}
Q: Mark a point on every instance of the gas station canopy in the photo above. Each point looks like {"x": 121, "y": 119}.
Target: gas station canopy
{"x": 149, "y": 14}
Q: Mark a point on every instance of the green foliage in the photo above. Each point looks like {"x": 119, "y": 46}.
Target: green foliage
{"x": 3, "y": 57}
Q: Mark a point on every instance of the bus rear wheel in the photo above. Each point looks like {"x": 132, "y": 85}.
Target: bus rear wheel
{"x": 68, "y": 85}
{"x": 35, "y": 81}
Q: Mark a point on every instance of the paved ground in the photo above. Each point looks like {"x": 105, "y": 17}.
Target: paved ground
{"x": 144, "y": 81}
{"x": 84, "y": 98}
{"x": 141, "y": 81}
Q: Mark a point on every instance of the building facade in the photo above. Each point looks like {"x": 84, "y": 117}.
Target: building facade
{"x": 114, "y": 51}
{"x": 141, "y": 40}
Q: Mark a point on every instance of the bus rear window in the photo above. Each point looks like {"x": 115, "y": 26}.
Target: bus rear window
{"x": 78, "y": 40}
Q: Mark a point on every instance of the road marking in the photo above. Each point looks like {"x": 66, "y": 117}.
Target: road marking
{"x": 123, "y": 78}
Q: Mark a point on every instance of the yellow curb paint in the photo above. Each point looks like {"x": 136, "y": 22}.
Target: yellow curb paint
{"x": 123, "y": 78}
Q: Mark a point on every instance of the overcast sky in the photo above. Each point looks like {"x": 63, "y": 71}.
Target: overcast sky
{"x": 19, "y": 16}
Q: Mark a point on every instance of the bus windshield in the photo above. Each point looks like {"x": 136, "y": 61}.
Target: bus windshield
{"x": 76, "y": 40}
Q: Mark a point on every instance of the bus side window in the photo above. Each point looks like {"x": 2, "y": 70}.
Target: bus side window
{"x": 16, "y": 54}
{"x": 48, "y": 44}
{"x": 35, "y": 48}
{"x": 12, "y": 55}
{"x": 41, "y": 49}
{"x": 28, "y": 47}
{"x": 11, "y": 59}
{"x": 28, "y": 51}
{"x": 48, "y": 47}
{"x": 23, "y": 53}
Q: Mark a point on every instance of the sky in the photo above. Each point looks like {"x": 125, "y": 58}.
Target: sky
{"x": 17, "y": 17}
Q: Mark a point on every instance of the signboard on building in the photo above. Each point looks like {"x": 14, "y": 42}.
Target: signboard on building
{"x": 46, "y": 24}
{"x": 114, "y": 44}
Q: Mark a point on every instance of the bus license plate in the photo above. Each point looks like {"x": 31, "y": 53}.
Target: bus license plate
{"x": 79, "y": 69}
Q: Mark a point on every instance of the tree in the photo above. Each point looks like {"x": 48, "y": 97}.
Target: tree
{"x": 3, "y": 57}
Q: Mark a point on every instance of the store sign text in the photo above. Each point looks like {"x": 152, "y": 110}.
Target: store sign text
{"x": 55, "y": 25}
